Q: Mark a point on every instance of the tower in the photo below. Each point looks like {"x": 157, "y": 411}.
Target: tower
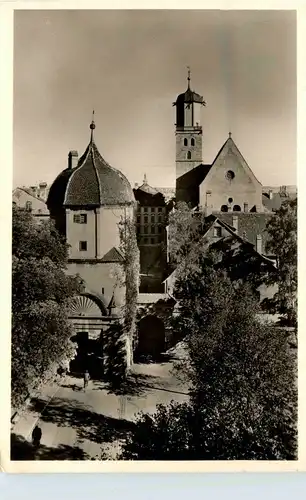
{"x": 188, "y": 130}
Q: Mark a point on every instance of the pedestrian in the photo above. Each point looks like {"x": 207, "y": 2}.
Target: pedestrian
{"x": 36, "y": 436}
{"x": 86, "y": 379}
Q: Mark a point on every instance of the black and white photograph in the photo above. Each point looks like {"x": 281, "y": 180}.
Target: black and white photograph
{"x": 154, "y": 236}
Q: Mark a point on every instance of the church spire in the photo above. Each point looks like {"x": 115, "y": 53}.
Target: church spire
{"x": 188, "y": 78}
{"x": 92, "y": 125}
{"x": 145, "y": 181}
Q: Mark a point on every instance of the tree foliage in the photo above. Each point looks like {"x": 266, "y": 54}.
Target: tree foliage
{"x": 282, "y": 243}
{"x": 40, "y": 290}
{"x": 242, "y": 373}
{"x": 130, "y": 252}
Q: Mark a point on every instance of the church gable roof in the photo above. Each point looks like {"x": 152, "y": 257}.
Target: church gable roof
{"x": 230, "y": 149}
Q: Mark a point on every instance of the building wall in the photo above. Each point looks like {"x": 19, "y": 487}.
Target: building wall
{"x": 36, "y": 206}
{"x": 219, "y": 189}
{"x": 101, "y": 230}
{"x": 101, "y": 278}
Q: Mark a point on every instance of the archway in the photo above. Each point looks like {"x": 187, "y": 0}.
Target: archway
{"x": 151, "y": 337}
{"x": 86, "y": 311}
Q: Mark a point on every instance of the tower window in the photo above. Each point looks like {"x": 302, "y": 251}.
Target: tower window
{"x": 192, "y": 141}
{"x": 83, "y": 246}
{"x": 188, "y": 155}
{"x": 185, "y": 142}
{"x": 236, "y": 208}
{"x": 224, "y": 208}
{"x": 230, "y": 200}
{"x": 102, "y": 290}
{"x": 80, "y": 218}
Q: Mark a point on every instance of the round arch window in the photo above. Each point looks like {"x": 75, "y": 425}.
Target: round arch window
{"x": 230, "y": 175}
{"x": 236, "y": 208}
{"x": 230, "y": 200}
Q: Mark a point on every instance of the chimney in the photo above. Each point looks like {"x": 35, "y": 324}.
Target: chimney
{"x": 42, "y": 190}
{"x": 259, "y": 243}
{"x": 235, "y": 222}
{"x": 246, "y": 207}
{"x": 270, "y": 194}
{"x": 34, "y": 190}
{"x": 72, "y": 159}
{"x": 208, "y": 205}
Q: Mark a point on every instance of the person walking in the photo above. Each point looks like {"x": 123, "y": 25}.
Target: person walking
{"x": 36, "y": 436}
{"x": 86, "y": 379}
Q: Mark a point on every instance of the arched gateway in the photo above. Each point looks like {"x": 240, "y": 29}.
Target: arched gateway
{"x": 151, "y": 336}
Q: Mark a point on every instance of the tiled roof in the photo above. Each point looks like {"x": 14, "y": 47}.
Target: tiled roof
{"x": 249, "y": 225}
{"x": 277, "y": 199}
{"x": 188, "y": 185}
{"x": 93, "y": 182}
{"x": 189, "y": 96}
{"x": 113, "y": 255}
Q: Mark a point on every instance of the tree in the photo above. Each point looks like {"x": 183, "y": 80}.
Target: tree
{"x": 130, "y": 278}
{"x": 40, "y": 294}
{"x": 282, "y": 243}
{"x": 243, "y": 396}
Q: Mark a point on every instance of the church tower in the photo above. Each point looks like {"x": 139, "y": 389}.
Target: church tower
{"x": 188, "y": 130}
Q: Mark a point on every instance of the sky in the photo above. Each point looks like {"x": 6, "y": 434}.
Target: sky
{"x": 130, "y": 66}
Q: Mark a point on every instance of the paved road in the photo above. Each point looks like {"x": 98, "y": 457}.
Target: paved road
{"x": 77, "y": 423}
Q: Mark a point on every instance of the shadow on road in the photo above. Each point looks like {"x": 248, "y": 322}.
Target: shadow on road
{"x": 21, "y": 449}
{"x": 88, "y": 424}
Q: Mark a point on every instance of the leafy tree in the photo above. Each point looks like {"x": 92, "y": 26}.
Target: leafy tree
{"x": 242, "y": 377}
{"x": 40, "y": 291}
{"x": 130, "y": 277}
{"x": 282, "y": 243}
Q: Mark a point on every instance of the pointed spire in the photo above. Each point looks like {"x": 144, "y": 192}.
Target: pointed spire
{"x": 230, "y": 135}
{"x": 188, "y": 79}
{"x": 92, "y": 125}
{"x": 145, "y": 181}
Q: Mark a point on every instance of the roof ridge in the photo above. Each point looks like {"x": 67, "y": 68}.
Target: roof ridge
{"x": 92, "y": 143}
{"x": 31, "y": 194}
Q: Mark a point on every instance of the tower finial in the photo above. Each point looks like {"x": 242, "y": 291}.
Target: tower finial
{"x": 145, "y": 179}
{"x": 230, "y": 135}
{"x": 92, "y": 125}
{"x": 188, "y": 79}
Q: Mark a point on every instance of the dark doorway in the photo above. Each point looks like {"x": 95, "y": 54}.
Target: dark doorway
{"x": 151, "y": 337}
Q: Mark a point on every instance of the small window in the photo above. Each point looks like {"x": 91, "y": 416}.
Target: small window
{"x": 145, "y": 240}
{"x": 146, "y": 219}
{"x": 188, "y": 155}
{"x": 153, "y": 218}
{"x": 28, "y": 206}
{"x": 138, "y": 219}
{"x": 185, "y": 142}
{"x": 145, "y": 209}
{"x": 217, "y": 232}
{"x": 102, "y": 290}
{"x": 83, "y": 246}
{"x": 153, "y": 209}
{"x": 230, "y": 175}
{"x": 236, "y": 208}
{"x": 160, "y": 229}
{"x": 192, "y": 142}
{"x": 152, "y": 241}
{"x": 160, "y": 209}
{"x": 76, "y": 218}
{"x": 230, "y": 200}
{"x": 153, "y": 230}
{"x": 224, "y": 208}
{"x": 160, "y": 219}
{"x": 145, "y": 230}
{"x": 83, "y": 219}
